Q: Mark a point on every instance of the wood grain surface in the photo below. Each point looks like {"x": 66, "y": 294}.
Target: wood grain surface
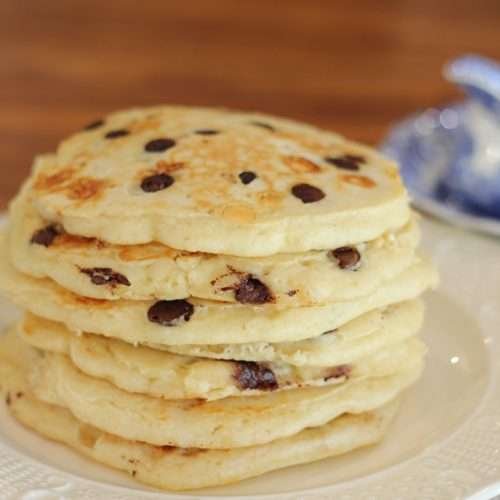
{"x": 353, "y": 65}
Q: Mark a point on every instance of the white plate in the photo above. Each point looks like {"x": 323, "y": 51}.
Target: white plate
{"x": 445, "y": 443}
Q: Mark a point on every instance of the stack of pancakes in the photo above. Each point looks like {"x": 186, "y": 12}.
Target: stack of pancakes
{"x": 210, "y": 295}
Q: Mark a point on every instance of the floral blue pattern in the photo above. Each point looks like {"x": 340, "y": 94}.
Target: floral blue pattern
{"x": 450, "y": 156}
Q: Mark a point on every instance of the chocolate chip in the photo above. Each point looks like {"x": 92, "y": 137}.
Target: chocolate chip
{"x": 355, "y": 158}
{"x": 307, "y": 193}
{"x": 156, "y": 182}
{"x": 345, "y": 162}
{"x": 250, "y": 290}
{"x": 338, "y": 371}
{"x": 115, "y": 134}
{"x": 291, "y": 293}
{"x": 206, "y": 131}
{"x": 105, "y": 276}
{"x": 46, "y": 236}
{"x": 251, "y": 375}
{"x": 247, "y": 177}
{"x": 8, "y": 401}
{"x": 159, "y": 145}
{"x": 94, "y": 125}
{"x": 346, "y": 257}
{"x": 19, "y": 395}
{"x": 170, "y": 312}
{"x": 263, "y": 125}
{"x": 134, "y": 473}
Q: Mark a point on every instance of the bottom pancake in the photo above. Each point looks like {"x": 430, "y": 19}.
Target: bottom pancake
{"x": 183, "y": 468}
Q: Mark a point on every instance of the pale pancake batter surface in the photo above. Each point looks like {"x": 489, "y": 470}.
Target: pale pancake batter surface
{"x": 254, "y": 185}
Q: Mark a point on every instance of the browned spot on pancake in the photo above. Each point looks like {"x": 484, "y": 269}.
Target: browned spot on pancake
{"x": 53, "y": 182}
{"x": 147, "y": 251}
{"x": 165, "y": 167}
{"x": 270, "y": 198}
{"x": 237, "y": 212}
{"x": 167, "y": 448}
{"x": 191, "y": 452}
{"x": 85, "y": 188}
{"x": 68, "y": 241}
{"x": 301, "y": 165}
{"x": 8, "y": 400}
{"x": 88, "y": 301}
{"x": 338, "y": 372}
{"x": 254, "y": 376}
{"x": 19, "y": 395}
{"x": 88, "y": 435}
{"x": 150, "y": 123}
{"x": 358, "y": 180}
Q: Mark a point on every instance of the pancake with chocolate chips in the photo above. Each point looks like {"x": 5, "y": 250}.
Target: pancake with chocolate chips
{"x": 198, "y": 321}
{"x": 209, "y": 295}
{"x": 218, "y": 181}
{"x": 219, "y": 424}
{"x": 159, "y": 373}
{"x": 176, "y": 468}
{"x": 92, "y": 268}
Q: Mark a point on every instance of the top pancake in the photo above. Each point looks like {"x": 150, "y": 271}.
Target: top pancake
{"x": 218, "y": 181}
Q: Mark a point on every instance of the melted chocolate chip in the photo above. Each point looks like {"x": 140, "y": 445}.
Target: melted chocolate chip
{"x": 338, "y": 371}
{"x": 159, "y": 145}
{"x": 115, "y": 134}
{"x": 156, "y": 182}
{"x": 307, "y": 193}
{"x": 206, "y": 131}
{"x": 355, "y": 158}
{"x": 247, "y": 177}
{"x": 170, "y": 312}
{"x": 45, "y": 236}
{"x": 105, "y": 276}
{"x": 251, "y": 375}
{"x": 345, "y": 162}
{"x": 291, "y": 293}
{"x": 94, "y": 125}
{"x": 252, "y": 291}
{"x": 263, "y": 125}
{"x": 346, "y": 257}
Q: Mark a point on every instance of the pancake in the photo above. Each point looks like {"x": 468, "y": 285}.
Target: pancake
{"x": 93, "y": 268}
{"x": 225, "y": 423}
{"x": 147, "y": 175}
{"x": 198, "y": 321}
{"x": 183, "y": 468}
{"x": 359, "y": 338}
{"x": 162, "y": 374}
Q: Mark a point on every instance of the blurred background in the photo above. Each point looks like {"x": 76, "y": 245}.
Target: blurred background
{"x": 353, "y": 66}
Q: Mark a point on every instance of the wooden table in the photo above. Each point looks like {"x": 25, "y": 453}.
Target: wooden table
{"x": 354, "y": 66}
